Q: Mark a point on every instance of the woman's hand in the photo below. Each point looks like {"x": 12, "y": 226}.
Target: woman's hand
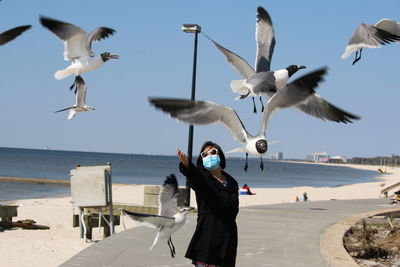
{"x": 183, "y": 158}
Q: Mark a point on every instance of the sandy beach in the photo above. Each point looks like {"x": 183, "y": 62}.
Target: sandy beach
{"x": 20, "y": 247}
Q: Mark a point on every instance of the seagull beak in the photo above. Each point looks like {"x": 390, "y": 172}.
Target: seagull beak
{"x": 301, "y": 67}
{"x": 190, "y": 209}
{"x": 113, "y": 56}
{"x": 186, "y": 209}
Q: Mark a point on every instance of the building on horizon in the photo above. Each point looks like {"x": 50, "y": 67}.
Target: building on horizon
{"x": 318, "y": 157}
{"x": 325, "y": 158}
{"x": 337, "y": 159}
{"x": 277, "y": 156}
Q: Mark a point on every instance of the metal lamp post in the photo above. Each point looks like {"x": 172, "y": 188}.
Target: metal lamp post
{"x": 191, "y": 28}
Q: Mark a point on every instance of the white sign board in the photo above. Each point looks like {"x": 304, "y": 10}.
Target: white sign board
{"x": 90, "y": 186}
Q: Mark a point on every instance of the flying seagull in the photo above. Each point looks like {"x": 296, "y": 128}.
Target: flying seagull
{"x": 204, "y": 112}
{"x": 80, "y": 106}
{"x": 383, "y": 32}
{"x": 11, "y": 34}
{"x": 169, "y": 218}
{"x": 299, "y": 94}
{"x": 78, "y": 46}
{"x": 260, "y": 78}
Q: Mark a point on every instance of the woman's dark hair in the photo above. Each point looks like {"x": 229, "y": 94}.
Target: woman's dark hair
{"x": 220, "y": 153}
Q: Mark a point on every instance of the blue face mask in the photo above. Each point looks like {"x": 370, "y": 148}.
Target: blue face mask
{"x": 211, "y": 162}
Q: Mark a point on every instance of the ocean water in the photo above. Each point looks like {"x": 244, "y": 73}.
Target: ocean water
{"x": 18, "y": 190}
{"x": 152, "y": 169}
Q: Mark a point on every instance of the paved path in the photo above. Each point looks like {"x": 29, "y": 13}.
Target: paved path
{"x": 269, "y": 235}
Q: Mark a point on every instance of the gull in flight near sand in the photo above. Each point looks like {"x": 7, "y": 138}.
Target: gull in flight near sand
{"x": 80, "y": 106}
{"x": 11, "y": 34}
{"x": 383, "y": 32}
{"x": 169, "y": 218}
{"x": 260, "y": 78}
{"x": 299, "y": 94}
{"x": 78, "y": 46}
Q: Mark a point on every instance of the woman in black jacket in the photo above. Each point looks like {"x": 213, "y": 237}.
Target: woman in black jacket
{"x": 214, "y": 241}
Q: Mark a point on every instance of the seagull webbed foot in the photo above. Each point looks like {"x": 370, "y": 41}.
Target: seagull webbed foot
{"x": 72, "y": 86}
{"x": 171, "y": 247}
{"x": 262, "y": 105}
{"x": 261, "y": 164}
{"x": 357, "y": 58}
{"x": 246, "y": 166}
{"x": 75, "y": 84}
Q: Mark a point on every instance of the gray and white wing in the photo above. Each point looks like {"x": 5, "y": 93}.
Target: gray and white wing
{"x": 150, "y": 220}
{"x": 263, "y": 83}
{"x": 270, "y": 108}
{"x": 72, "y": 36}
{"x": 11, "y": 34}
{"x": 168, "y": 197}
{"x": 265, "y": 39}
{"x": 202, "y": 113}
{"x": 389, "y": 25}
{"x": 81, "y": 91}
{"x": 368, "y": 36}
{"x": 301, "y": 95}
{"x": 64, "y": 109}
{"x": 238, "y": 64}
{"x": 97, "y": 35}
{"x": 293, "y": 94}
{"x": 318, "y": 107}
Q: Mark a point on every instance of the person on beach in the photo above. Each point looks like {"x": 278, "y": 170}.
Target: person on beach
{"x": 247, "y": 188}
{"x": 396, "y": 199}
{"x": 214, "y": 242}
{"x": 305, "y": 197}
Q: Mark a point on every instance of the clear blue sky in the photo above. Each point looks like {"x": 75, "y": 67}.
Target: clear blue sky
{"x": 156, "y": 60}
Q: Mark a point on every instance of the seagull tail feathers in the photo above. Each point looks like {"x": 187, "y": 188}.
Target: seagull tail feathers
{"x": 241, "y": 97}
{"x": 71, "y": 114}
{"x": 349, "y": 49}
{"x": 155, "y": 241}
{"x": 345, "y": 55}
{"x": 61, "y": 74}
{"x": 239, "y": 87}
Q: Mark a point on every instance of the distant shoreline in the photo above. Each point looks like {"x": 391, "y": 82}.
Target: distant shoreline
{"x": 67, "y": 182}
{"x": 41, "y": 181}
{"x": 34, "y": 180}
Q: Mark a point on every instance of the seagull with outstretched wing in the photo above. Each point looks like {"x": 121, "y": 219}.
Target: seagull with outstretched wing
{"x": 78, "y": 46}
{"x": 383, "y": 32}
{"x": 169, "y": 218}
{"x": 261, "y": 78}
{"x": 300, "y": 94}
{"x": 80, "y": 105}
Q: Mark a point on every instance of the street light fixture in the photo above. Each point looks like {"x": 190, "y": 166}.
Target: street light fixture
{"x": 191, "y": 28}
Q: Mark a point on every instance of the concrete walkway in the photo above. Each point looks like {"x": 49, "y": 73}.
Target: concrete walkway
{"x": 269, "y": 235}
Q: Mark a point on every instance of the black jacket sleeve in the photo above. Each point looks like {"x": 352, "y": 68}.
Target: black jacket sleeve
{"x": 194, "y": 176}
{"x": 203, "y": 185}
